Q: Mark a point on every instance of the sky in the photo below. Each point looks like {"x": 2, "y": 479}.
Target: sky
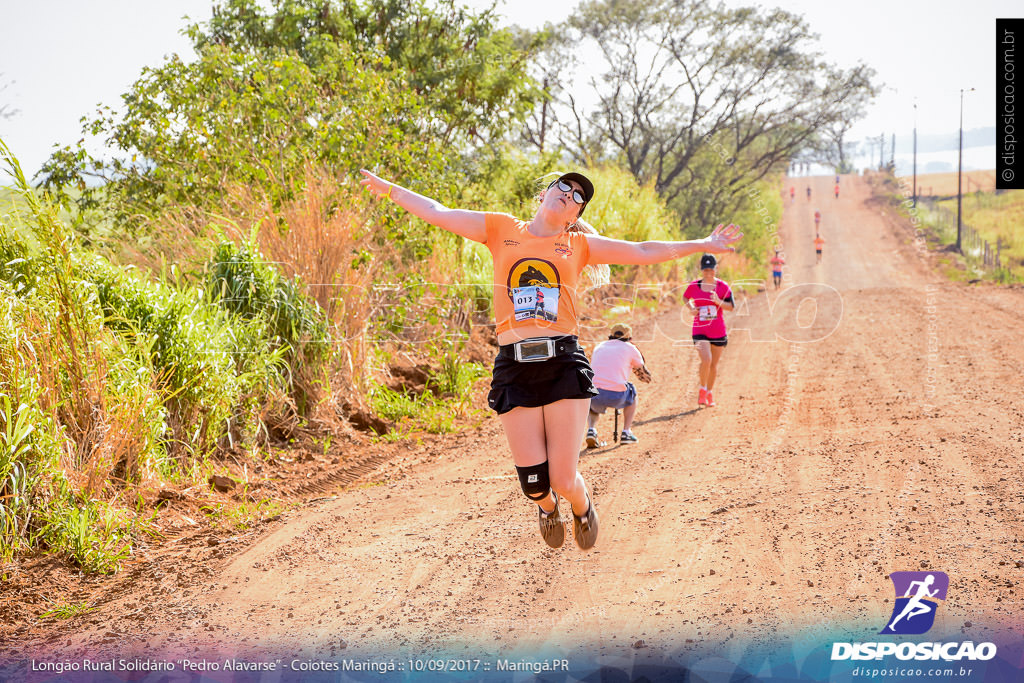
{"x": 60, "y": 58}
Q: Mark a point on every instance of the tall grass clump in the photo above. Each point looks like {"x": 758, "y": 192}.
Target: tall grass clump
{"x": 208, "y": 365}
{"x": 315, "y": 270}
{"x": 110, "y": 381}
{"x": 241, "y": 282}
{"x": 60, "y": 442}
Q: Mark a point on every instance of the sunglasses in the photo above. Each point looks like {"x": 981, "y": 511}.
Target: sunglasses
{"x": 577, "y": 196}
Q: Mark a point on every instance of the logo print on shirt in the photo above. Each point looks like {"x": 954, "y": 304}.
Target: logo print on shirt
{"x": 917, "y": 601}
{"x": 533, "y": 286}
{"x": 533, "y": 272}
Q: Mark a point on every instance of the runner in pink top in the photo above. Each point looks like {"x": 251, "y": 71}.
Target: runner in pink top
{"x": 706, "y": 299}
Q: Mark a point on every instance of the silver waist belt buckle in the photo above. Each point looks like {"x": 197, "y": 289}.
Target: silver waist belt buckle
{"x": 534, "y": 350}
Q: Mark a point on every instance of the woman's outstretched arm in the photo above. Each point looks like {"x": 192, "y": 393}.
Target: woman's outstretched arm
{"x": 607, "y": 250}
{"x": 468, "y": 224}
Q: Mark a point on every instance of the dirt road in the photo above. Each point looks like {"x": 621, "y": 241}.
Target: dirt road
{"x": 876, "y": 427}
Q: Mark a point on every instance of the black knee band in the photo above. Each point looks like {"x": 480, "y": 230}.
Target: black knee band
{"x": 534, "y": 480}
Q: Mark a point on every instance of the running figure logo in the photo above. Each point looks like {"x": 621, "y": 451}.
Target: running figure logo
{"x": 917, "y": 600}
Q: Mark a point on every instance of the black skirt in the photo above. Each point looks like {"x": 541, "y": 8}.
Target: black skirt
{"x": 530, "y": 385}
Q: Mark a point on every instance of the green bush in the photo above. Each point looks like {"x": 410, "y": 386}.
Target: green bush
{"x": 208, "y": 364}
{"x": 758, "y": 216}
{"x": 240, "y": 281}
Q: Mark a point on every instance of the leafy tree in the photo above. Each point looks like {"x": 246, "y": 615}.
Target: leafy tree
{"x": 191, "y": 130}
{"x": 551, "y": 62}
{"x": 342, "y": 85}
{"x": 471, "y": 73}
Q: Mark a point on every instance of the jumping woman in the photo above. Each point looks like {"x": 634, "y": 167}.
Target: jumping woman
{"x": 542, "y": 382}
{"x": 706, "y": 298}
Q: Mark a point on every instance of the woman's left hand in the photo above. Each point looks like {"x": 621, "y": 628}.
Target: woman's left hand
{"x": 720, "y": 239}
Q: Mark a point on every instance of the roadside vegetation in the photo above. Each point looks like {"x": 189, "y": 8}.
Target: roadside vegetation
{"x": 998, "y": 218}
{"x": 992, "y": 217}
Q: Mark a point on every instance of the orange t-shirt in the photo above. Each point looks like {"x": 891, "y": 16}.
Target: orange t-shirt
{"x": 535, "y": 278}
{"x": 819, "y": 242}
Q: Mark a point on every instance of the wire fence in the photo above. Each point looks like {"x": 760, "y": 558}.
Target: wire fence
{"x": 972, "y": 244}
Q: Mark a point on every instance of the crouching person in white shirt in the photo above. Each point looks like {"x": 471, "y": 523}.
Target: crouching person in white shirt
{"x": 613, "y": 361}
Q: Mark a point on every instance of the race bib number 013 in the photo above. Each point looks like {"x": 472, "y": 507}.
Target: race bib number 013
{"x": 708, "y": 312}
{"x": 535, "y": 302}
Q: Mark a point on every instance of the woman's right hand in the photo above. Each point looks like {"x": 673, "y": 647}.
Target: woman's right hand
{"x": 377, "y": 186}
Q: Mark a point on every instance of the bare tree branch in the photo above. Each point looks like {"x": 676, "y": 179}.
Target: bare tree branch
{"x": 684, "y": 85}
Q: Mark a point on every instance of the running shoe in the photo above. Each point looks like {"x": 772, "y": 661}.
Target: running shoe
{"x": 710, "y": 400}
{"x": 702, "y": 397}
{"x": 592, "y": 441}
{"x": 584, "y": 528}
{"x": 628, "y": 436}
{"x": 551, "y": 527}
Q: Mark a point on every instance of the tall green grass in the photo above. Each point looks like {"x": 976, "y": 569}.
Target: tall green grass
{"x": 59, "y": 441}
{"x": 111, "y": 380}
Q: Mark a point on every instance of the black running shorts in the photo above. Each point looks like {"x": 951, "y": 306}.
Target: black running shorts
{"x": 530, "y": 385}
{"x": 715, "y": 341}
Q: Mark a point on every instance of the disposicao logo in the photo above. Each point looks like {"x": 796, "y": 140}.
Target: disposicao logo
{"x": 917, "y": 600}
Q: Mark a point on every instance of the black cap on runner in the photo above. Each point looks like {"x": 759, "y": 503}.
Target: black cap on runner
{"x": 585, "y": 184}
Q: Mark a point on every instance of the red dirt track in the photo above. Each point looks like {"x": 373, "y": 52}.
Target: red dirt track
{"x": 876, "y": 428}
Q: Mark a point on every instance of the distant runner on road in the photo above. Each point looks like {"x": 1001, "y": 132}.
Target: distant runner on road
{"x": 817, "y": 219}
{"x": 792, "y": 193}
{"x": 542, "y": 382}
{"x": 808, "y": 193}
{"x": 706, "y": 299}
{"x": 819, "y": 242}
{"x": 777, "y": 262}
{"x": 837, "y": 190}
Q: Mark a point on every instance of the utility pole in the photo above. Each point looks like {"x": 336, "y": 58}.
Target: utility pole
{"x": 915, "y": 155}
{"x": 959, "y": 176}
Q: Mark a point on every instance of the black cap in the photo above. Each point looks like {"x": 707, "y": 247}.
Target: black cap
{"x": 584, "y": 181}
{"x": 708, "y": 261}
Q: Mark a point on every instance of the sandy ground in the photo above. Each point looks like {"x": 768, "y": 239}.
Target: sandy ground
{"x": 869, "y": 420}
